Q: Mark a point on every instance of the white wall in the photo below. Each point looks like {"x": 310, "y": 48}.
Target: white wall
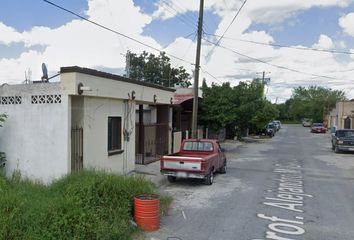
{"x": 95, "y": 128}
{"x": 34, "y": 136}
{"x": 110, "y": 88}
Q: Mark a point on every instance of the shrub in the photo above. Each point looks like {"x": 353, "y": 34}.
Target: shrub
{"x": 84, "y": 205}
{"x": 2, "y": 160}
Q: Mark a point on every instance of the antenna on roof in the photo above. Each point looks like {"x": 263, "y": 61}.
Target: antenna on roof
{"x": 45, "y": 73}
{"x": 28, "y": 76}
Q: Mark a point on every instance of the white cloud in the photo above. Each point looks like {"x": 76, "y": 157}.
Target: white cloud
{"x": 324, "y": 42}
{"x": 79, "y": 42}
{"x": 347, "y": 24}
{"x": 278, "y": 10}
{"x": 8, "y": 34}
{"x": 83, "y": 44}
{"x": 13, "y": 70}
{"x": 340, "y": 44}
{"x": 257, "y": 10}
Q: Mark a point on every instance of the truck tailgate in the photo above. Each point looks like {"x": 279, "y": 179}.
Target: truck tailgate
{"x": 183, "y": 163}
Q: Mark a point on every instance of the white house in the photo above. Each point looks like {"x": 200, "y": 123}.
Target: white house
{"x": 86, "y": 120}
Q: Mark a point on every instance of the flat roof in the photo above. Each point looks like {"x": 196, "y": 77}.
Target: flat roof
{"x": 111, "y": 76}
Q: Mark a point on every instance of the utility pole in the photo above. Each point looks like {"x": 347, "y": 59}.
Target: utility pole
{"x": 265, "y": 81}
{"x": 127, "y": 64}
{"x": 196, "y": 72}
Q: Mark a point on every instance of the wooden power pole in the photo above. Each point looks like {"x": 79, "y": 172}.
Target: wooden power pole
{"x": 196, "y": 73}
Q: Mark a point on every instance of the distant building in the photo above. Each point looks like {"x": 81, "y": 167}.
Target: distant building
{"x": 342, "y": 116}
{"x": 182, "y": 115}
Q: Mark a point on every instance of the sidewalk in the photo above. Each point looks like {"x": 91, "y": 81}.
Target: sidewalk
{"x": 151, "y": 171}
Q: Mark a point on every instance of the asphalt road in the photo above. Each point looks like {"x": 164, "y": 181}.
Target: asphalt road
{"x": 289, "y": 187}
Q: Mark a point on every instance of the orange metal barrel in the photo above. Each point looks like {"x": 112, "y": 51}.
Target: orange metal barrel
{"x": 147, "y": 211}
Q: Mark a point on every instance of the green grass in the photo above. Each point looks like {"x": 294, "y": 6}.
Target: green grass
{"x": 84, "y": 205}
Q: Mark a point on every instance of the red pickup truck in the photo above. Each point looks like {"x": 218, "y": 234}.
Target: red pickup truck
{"x": 197, "y": 158}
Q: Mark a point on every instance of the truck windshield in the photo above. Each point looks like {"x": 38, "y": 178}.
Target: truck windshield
{"x": 348, "y": 134}
{"x": 198, "y": 146}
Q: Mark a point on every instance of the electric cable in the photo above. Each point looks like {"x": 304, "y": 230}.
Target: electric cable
{"x": 270, "y": 64}
{"x": 284, "y": 46}
{"x": 211, "y": 75}
{"x": 178, "y": 14}
{"x": 184, "y": 10}
{"x": 114, "y": 31}
{"x": 232, "y": 21}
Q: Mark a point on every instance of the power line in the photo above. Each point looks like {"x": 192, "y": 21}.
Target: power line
{"x": 114, "y": 31}
{"x": 190, "y": 44}
{"x": 187, "y": 22}
{"x": 186, "y": 36}
{"x": 188, "y": 19}
{"x": 232, "y": 21}
{"x": 185, "y": 11}
{"x": 238, "y": 12}
{"x": 211, "y": 75}
{"x": 284, "y": 46}
{"x": 270, "y": 64}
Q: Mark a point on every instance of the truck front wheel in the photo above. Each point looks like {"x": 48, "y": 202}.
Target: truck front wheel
{"x": 171, "y": 179}
{"x": 210, "y": 178}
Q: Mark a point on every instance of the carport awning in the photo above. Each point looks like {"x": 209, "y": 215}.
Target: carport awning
{"x": 180, "y": 98}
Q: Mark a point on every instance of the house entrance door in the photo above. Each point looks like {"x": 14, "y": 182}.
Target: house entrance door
{"x": 347, "y": 123}
{"x": 76, "y": 149}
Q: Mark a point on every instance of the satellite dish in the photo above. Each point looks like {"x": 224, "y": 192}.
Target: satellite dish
{"x": 45, "y": 72}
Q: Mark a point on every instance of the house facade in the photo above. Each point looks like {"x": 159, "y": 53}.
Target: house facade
{"x": 342, "y": 117}
{"x": 182, "y": 115}
{"x": 87, "y": 120}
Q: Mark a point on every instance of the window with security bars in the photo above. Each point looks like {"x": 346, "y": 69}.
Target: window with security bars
{"x": 114, "y": 135}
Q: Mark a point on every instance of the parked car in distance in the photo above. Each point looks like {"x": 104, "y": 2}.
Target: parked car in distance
{"x": 267, "y": 131}
{"x": 318, "y": 128}
{"x": 278, "y": 123}
{"x": 343, "y": 140}
{"x": 197, "y": 158}
{"x": 273, "y": 126}
{"x": 306, "y": 122}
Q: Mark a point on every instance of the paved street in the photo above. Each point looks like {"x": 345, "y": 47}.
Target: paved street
{"x": 289, "y": 187}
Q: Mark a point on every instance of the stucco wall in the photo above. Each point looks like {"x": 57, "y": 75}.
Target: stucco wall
{"x": 110, "y": 88}
{"x": 34, "y": 136}
{"x": 345, "y": 109}
{"x": 95, "y": 134}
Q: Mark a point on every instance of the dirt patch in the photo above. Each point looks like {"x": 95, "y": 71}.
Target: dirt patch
{"x": 193, "y": 194}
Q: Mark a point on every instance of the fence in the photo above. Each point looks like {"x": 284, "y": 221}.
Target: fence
{"x": 76, "y": 149}
{"x": 155, "y": 143}
{"x": 219, "y": 135}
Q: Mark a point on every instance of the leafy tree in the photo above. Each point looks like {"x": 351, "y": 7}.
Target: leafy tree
{"x": 2, "y": 154}
{"x": 217, "y": 108}
{"x": 243, "y": 106}
{"x": 283, "y": 109}
{"x": 267, "y": 111}
{"x": 2, "y": 118}
{"x": 157, "y": 69}
{"x": 313, "y": 102}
